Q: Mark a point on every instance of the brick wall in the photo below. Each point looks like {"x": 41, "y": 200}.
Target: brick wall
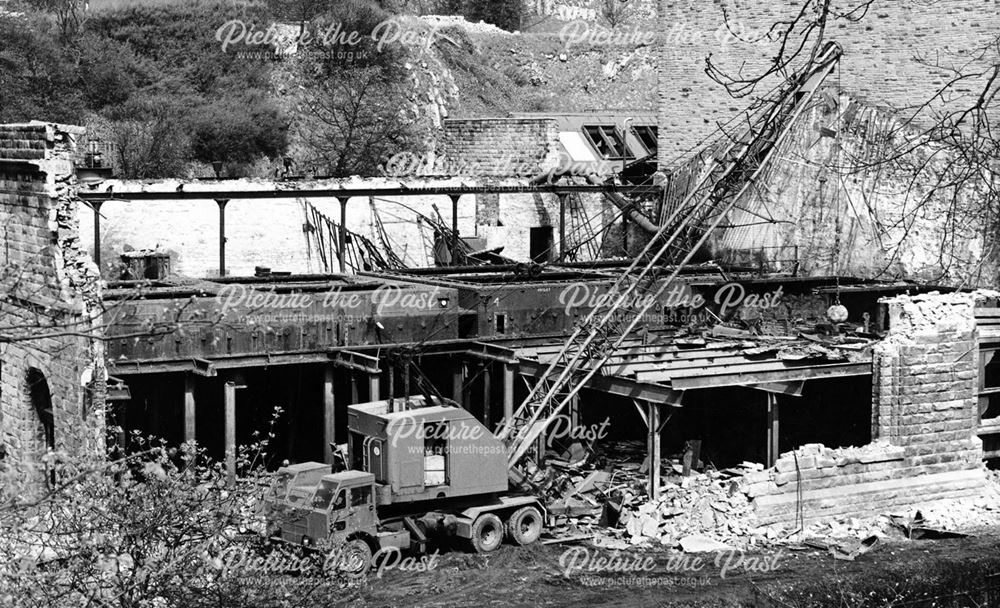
{"x": 924, "y": 416}
{"x": 51, "y": 299}
{"x": 505, "y": 147}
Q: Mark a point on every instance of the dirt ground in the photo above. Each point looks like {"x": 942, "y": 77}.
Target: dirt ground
{"x": 900, "y": 570}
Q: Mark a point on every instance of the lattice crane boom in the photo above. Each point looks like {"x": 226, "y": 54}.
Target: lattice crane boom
{"x": 593, "y": 342}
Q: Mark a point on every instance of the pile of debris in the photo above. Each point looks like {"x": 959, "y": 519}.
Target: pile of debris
{"x": 698, "y": 512}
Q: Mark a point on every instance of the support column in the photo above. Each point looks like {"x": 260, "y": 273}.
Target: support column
{"x": 562, "y": 226}
{"x": 466, "y": 387}
{"x": 189, "y": 408}
{"x": 354, "y": 388}
{"x": 487, "y": 390}
{"x": 392, "y": 388}
{"x": 458, "y": 383}
{"x": 222, "y": 235}
{"x": 230, "y": 431}
{"x": 329, "y": 416}
{"x": 508, "y": 391}
{"x": 454, "y": 228}
{"x": 772, "y": 429}
{"x": 653, "y": 448}
{"x": 373, "y": 388}
{"x": 96, "y": 206}
{"x": 573, "y": 411}
{"x": 342, "y": 235}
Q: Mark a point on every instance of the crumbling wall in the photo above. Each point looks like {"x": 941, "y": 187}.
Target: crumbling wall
{"x": 879, "y": 56}
{"x": 924, "y": 418}
{"x": 49, "y": 301}
{"x": 879, "y": 217}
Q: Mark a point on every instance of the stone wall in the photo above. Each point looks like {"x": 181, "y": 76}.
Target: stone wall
{"x": 924, "y": 418}
{"x": 872, "y": 219}
{"x": 879, "y": 56}
{"x": 50, "y": 306}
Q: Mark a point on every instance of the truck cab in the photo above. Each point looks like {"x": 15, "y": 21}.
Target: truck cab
{"x": 293, "y": 485}
{"x": 346, "y": 504}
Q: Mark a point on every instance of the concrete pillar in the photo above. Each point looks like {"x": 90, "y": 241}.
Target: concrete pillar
{"x": 653, "y": 448}
{"x": 189, "y": 408}
{"x": 508, "y": 391}
{"x": 374, "y": 394}
{"x": 230, "y": 431}
{"x": 487, "y": 389}
{"x": 772, "y": 429}
{"x": 329, "y": 415}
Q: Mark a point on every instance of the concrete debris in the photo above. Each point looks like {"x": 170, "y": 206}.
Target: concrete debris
{"x": 703, "y": 544}
{"x": 611, "y": 503}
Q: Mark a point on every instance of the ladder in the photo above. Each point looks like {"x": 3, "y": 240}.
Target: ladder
{"x": 725, "y": 179}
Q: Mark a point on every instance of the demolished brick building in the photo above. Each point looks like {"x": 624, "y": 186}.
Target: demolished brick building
{"x": 896, "y": 384}
{"x": 53, "y": 372}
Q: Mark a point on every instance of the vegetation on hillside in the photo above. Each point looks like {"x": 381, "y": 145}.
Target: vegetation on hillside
{"x": 157, "y": 84}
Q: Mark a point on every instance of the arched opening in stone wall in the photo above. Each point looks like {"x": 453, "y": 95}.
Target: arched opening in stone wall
{"x": 41, "y": 401}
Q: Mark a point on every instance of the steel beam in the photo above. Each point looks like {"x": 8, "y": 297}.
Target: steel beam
{"x": 293, "y": 192}
{"x": 745, "y": 378}
{"x": 96, "y": 206}
{"x": 615, "y": 385}
{"x": 222, "y": 235}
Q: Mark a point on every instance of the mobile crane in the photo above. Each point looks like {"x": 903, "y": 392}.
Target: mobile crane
{"x": 422, "y": 468}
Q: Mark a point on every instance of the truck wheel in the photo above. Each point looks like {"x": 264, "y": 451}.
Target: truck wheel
{"x": 487, "y": 533}
{"x": 525, "y": 525}
{"x": 356, "y": 558}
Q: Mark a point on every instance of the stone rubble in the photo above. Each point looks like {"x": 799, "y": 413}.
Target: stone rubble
{"x": 715, "y": 509}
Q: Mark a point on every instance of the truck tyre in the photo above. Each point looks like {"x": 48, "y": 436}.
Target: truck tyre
{"x": 487, "y": 533}
{"x": 525, "y": 525}
{"x": 356, "y": 558}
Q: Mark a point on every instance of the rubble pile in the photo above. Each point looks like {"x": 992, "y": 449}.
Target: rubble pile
{"x": 611, "y": 504}
{"x": 707, "y": 506}
{"x": 601, "y": 496}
